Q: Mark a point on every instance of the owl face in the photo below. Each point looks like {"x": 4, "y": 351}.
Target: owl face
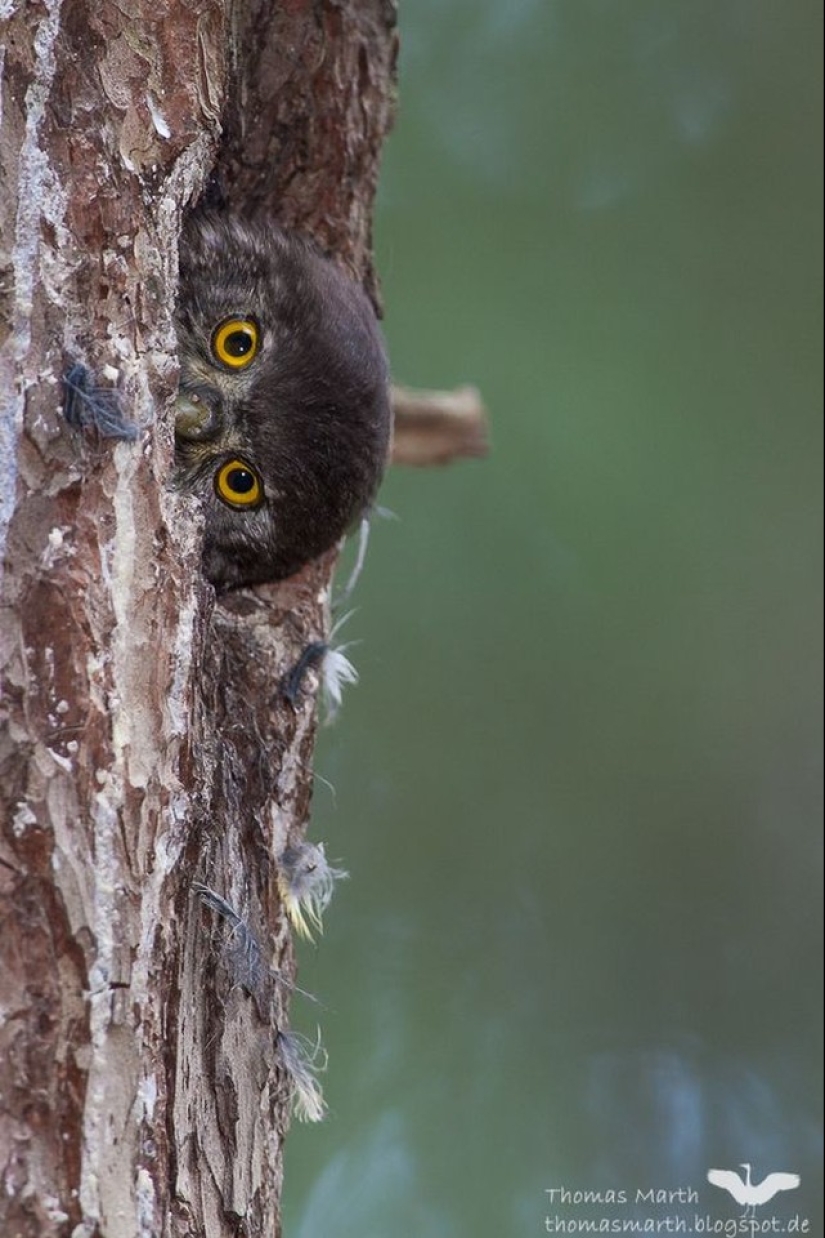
{"x": 282, "y": 419}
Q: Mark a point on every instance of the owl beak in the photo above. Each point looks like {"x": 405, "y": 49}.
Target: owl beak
{"x": 196, "y": 419}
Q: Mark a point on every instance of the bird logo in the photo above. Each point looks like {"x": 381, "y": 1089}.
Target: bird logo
{"x": 751, "y": 1195}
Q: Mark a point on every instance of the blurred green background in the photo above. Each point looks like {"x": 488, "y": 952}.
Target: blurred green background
{"x": 578, "y": 788}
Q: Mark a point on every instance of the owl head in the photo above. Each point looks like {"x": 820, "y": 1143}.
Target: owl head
{"x": 283, "y": 417}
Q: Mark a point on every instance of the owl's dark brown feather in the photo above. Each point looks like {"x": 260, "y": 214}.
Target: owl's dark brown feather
{"x": 310, "y": 412}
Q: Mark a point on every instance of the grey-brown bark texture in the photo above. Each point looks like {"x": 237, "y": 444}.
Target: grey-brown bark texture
{"x": 144, "y": 744}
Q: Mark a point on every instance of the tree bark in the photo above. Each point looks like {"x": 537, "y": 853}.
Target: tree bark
{"x": 144, "y": 743}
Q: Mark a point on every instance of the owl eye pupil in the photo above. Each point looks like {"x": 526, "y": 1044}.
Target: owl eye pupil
{"x": 241, "y": 480}
{"x": 238, "y": 343}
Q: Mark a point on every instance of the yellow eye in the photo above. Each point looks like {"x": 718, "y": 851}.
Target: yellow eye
{"x": 235, "y": 342}
{"x": 238, "y": 485}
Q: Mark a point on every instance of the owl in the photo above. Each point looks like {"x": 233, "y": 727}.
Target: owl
{"x": 282, "y": 420}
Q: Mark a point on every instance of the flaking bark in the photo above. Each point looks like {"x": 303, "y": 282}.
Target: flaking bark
{"x": 143, "y": 742}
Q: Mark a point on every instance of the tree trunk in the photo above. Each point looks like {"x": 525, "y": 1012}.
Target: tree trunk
{"x": 144, "y": 743}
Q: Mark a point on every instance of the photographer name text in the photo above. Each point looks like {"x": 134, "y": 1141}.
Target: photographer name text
{"x": 642, "y": 1195}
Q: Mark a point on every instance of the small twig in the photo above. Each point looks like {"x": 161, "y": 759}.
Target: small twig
{"x": 436, "y": 427}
